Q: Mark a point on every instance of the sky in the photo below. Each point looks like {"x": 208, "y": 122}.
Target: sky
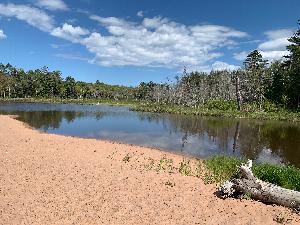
{"x": 129, "y": 41}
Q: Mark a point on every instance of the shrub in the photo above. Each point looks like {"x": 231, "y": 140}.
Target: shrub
{"x": 269, "y": 106}
{"x": 220, "y": 104}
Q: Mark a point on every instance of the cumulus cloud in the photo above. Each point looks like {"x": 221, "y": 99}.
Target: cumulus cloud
{"x": 152, "y": 42}
{"x": 70, "y": 32}
{"x": 241, "y": 56}
{"x": 157, "y": 42}
{"x": 274, "y": 48}
{"x": 218, "y": 65}
{"x": 31, "y": 15}
{"x": 277, "y": 39}
{"x": 52, "y": 4}
{"x": 2, "y": 35}
{"x": 274, "y": 55}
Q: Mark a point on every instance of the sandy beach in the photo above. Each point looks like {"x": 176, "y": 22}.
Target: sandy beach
{"x": 52, "y": 179}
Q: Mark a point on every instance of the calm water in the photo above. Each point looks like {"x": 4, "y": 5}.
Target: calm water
{"x": 271, "y": 141}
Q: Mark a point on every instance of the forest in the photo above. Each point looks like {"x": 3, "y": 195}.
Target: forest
{"x": 259, "y": 85}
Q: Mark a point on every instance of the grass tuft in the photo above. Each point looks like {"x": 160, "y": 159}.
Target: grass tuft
{"x": 185, "y": 167}
{"x": 127, "y": 157}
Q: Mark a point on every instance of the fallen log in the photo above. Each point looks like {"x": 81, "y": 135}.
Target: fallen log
{"x": 260, "y": 190}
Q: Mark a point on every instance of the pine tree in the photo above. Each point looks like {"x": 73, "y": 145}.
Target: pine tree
{"x": 293, "y": 66}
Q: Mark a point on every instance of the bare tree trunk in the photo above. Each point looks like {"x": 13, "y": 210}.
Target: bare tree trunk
{"x": 236, "y": 135}
{"x": 260, "y": 190}
{"x": 238, "y": 93}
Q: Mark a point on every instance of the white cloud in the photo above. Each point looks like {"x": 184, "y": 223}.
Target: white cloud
{"x": 241, "y": 56}
{"x": 70, "y": 32}
{"x": 153, "y": 42}
{"x": 157, "y": 42}
{"x": 52, "y": 4}
{"x": 274, "y": 48}
{"x": 72, "y": 56}
{"x": 31, "y": 15}
{"x": 2, "y": 35}
{"x": 274, "y": 55}
{"x": 140, "y": 14}
{"x": 277, "y": 39}
{"x": 218, "y": 65}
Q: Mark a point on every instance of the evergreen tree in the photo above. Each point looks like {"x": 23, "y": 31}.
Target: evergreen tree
{"x": 293, "y": 66}
{"x": 256, "y": 78}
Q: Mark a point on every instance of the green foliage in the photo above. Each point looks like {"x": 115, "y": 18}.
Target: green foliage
{"x": 224, "y": 167}
{"x": 42, "y": 83}
{"x": 165, "y": 164}
{"x": 249, "y": 111}
{"x": 284, "y": 176}
{"x": 269, "y": 106}
{"x": 127, "y": 158}
{"x": 220, "y": 104}
{"x": 185, "y": 167}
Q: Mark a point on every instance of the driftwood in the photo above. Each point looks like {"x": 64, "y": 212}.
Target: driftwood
{"x": 259, "y": 190}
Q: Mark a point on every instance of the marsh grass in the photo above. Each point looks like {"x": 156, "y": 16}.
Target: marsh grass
{"x": 224, "y": 111}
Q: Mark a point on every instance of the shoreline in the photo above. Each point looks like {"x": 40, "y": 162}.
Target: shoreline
{"x": 54, "y": 179}
{"x": 140, "y": 106}
{"x": 167, "y": 151}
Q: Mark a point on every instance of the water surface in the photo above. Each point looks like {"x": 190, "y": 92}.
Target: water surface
{"x": 270, "y": 141}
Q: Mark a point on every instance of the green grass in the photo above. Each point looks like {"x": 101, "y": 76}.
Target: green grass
{"x": 222, "y": 168}
{"x": 281, "y": 114}
{"x": 185, "y": 167}
{"x": 123, "y": 102}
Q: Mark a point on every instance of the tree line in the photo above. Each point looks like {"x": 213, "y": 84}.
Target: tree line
{"x": 42, "y": 83}
{"x": 259, "y": 84}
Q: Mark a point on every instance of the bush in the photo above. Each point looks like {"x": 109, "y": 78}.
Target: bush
{"x": 269, "y": 106}
{"x": 284, "y": 176}
{"x": 220, "y": 104}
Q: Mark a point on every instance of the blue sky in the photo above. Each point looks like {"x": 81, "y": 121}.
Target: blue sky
{"x": 129, "y": 41}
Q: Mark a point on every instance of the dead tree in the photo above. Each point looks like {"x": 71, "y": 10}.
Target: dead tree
{"x": 238, "y": 93}
{"x": 260, "y": 190}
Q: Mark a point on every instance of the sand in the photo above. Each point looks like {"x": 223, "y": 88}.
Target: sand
{"x": 52, "y": 179}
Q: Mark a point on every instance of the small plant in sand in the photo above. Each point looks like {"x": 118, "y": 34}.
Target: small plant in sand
{"x": 199, "y": 169}
{"x": 150, "y": 164}
{"x": 112, "y": 155}
{"x": 185, "y": 167}
{"x": 165, "y": 164}
{"x": 169, "y": 183}
{"x": 282, "y": 218}
{"x": 127, "y": 158}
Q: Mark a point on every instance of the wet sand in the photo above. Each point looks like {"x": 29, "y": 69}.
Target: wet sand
{"x": 52, "y": 179}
